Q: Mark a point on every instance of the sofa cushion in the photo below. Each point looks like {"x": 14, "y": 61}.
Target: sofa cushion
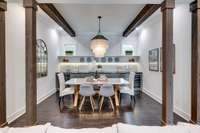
{"x": 174, "y": 129}
{"x": 112, "y": 129}
{"x": 33, "y": 129}
{"x": 4, "y": 130}
{"x": 192, "y": 128}
{"x": 126, "y": 128}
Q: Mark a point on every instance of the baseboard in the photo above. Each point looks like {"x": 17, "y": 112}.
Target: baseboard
{"x": 50, "y": 93}
{"x": 4, "y": 124}
{"x": 177, "y": 110}
{"x": 181, "y": 113}
{"x": 22, "y": 111}
{"x": 155, "y": 97}
{"x": 16, "y": 115}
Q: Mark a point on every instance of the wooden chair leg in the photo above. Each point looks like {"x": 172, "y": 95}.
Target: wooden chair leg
{"x": 83, "y": 100}
{"x": 112, "y": 104}
{"x": 91, "y": 102}
{"x": 101, "y": 103}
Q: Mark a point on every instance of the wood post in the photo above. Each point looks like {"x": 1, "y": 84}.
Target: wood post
{"x": 167, "y": 75}
{"x": 3, "y": 8}
{"x": 195, "y": 81}
{"x": 31, "y": 78}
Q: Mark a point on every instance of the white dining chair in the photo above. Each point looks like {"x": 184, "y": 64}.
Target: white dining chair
{"x": 87, "y": 91}
{"x": 129, "y": 89}
{"x": 63, "y": 91}
{"x": 106, "y": 91}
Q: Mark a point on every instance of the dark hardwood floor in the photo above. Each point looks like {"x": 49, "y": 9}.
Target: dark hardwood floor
{"x": 145, "y": 112}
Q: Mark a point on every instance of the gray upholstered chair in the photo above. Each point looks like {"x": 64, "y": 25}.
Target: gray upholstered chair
{"x": 87, "y": 91}
{"x": 63, "y": 91}
{"x": 129, "y": 89}
{"x": 106, "y": 91}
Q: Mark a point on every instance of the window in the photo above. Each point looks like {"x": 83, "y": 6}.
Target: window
{"x": 127, "y": 50}
{"x": 42, "y": 59}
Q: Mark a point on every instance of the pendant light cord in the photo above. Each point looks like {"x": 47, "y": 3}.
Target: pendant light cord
{"x": 99, "y": 17}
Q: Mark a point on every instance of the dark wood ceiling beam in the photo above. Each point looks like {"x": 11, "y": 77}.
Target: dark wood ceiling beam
{"x": 145, "y": 13}
{"x": 51, "y": 10}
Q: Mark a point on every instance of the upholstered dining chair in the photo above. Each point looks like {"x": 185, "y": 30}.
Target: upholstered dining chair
{"x": 63, "y": 91}
{"x": 129, "y": 89}
{"x": 87, "y": 91}
{"x": 106, "y": 91}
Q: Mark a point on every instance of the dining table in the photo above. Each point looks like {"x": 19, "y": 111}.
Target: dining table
{"x": 116, "y": 82}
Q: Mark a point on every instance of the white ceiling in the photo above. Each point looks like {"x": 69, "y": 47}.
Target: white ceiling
{"x": 83, "y": 19}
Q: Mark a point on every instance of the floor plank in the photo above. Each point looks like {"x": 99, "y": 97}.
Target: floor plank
{"x": 145, "y": 112}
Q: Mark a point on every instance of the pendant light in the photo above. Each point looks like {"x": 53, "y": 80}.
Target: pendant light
{"x": 99, "y": 43}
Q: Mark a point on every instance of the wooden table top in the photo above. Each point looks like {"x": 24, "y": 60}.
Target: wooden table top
{"x": 113, "y": 81}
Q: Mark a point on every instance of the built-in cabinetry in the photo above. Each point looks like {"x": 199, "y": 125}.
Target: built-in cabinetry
{"x": 91, "y": 64}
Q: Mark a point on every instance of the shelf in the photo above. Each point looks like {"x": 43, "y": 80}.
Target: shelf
{"x": 106, "y": 59}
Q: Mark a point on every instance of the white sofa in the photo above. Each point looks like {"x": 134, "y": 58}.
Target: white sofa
{"x": 117, "y": 128}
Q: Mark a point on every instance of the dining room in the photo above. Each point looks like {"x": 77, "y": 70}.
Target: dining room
{"x": 99, "y": 63}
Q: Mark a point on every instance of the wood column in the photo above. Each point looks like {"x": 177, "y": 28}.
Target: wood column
{"x": 167, "y": 75}
{"x": 3, "y": 8}
{"x": 31, "y": 83}
{"x": 195, "y": 81}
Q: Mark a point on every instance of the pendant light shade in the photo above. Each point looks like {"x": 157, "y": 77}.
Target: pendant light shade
{"x": 99, "y": 43}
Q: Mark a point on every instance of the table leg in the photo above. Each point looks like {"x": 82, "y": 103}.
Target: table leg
{"x": 76, "y": 96}
{"x": 116, "y": 87}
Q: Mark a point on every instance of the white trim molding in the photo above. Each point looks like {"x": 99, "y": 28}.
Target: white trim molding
{"x": 177, "y": 110}
{"x": 50, "y": 93}
{"x": 22, "y": 111}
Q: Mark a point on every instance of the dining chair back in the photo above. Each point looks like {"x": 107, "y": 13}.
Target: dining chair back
{"x": 63, "y": 91}
{"x": 87, "y": 91}
{"x": 106, "y": 91}
{"x": 61, "y": 81}
{"x": 129, "y": 89}
{"x": 131, "y": 82}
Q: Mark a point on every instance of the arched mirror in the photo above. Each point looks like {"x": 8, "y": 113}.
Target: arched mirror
{"x": 42, "y": 59}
